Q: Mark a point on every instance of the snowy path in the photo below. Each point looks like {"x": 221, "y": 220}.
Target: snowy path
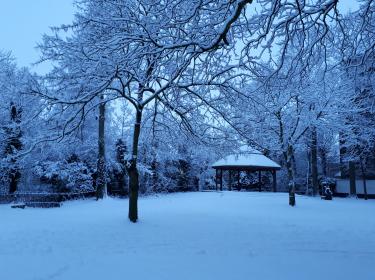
{"x": 191, "y": 236}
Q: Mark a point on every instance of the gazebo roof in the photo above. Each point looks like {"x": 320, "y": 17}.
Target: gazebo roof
{"x": 247, "y": 159}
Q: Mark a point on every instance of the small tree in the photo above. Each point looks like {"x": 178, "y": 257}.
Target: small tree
{"x": 121, "y": 151}
{"x": 101, "y": 180}
{"x": 13, "y": 146}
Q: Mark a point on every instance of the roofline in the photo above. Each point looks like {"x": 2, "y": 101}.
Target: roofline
{"x": 246, "y": 167}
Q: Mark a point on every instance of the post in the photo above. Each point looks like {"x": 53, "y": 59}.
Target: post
{"x": 274, "y": 183}
{"x": 216, "y": 175}
{"x": 238, "y": 180}
{"x": 221, "y": 179}
{"x": 260, "y": 181}
{"x": 230, "y": 180}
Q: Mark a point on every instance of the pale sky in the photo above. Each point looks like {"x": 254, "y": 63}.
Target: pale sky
{"x": 22, "y": 23}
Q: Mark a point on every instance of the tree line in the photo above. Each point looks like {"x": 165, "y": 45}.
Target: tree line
{"x": 155, "y": 90}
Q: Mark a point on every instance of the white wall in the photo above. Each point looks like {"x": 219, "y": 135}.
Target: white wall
{"x": 343, "y": 186}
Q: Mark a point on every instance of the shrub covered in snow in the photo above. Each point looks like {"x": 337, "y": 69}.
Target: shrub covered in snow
{"x": 70, "y": 175}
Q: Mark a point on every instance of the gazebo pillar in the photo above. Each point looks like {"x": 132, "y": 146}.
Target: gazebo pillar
{"x": 274, "y": 183}
{"x": 238, "y": 178}
{"x": 246, "y": 161}
{"x": 230, "y": 180}
{"x": 221, "y": 179}
{"x": 216, "y": 175}
{"x": 260, "y": 180}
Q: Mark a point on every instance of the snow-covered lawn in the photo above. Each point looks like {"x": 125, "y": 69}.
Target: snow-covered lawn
{"x": 227, "y": 235}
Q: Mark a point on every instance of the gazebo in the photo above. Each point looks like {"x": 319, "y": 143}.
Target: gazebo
{"x": 249, "y": 160}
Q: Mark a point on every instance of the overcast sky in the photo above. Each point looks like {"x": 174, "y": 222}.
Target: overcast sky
{"x": 22, "y": 23}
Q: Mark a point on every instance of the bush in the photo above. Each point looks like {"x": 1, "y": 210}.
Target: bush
{"x": 67, "y": 176}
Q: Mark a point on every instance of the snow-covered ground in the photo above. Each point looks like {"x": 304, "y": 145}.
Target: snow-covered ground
{"x": 229, "y": 236}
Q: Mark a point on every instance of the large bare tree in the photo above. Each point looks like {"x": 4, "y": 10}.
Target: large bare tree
{"x": 144, "y": 50}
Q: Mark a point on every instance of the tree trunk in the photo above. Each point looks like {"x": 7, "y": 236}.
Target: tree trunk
{"x": 293, "y": 162}
{"x": 133, "y": 170}
{"x": 291, "y": 184}
{"x": 343, "y": 152}
{"x": 154, "y": 176}
{"x": 314, "y": 161}
{"x": 154, "y": 145}
{"x": 133, "y": 192}
{"x": 308, "y": 174}
{"x": 352, "y": 178}
{"x": 101, "y": 179}
{"x": 14, "y": 177}
{"x": 363, "y": 170}
{"x": 323, "y": 156}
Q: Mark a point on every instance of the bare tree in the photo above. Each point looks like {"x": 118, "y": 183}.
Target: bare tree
{"x": 142, "y": 51}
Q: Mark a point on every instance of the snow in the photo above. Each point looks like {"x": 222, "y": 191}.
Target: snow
{"x": 248, "y": 150}
{"x": 253, "y": 159}
{"x": 206, "y": 235}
